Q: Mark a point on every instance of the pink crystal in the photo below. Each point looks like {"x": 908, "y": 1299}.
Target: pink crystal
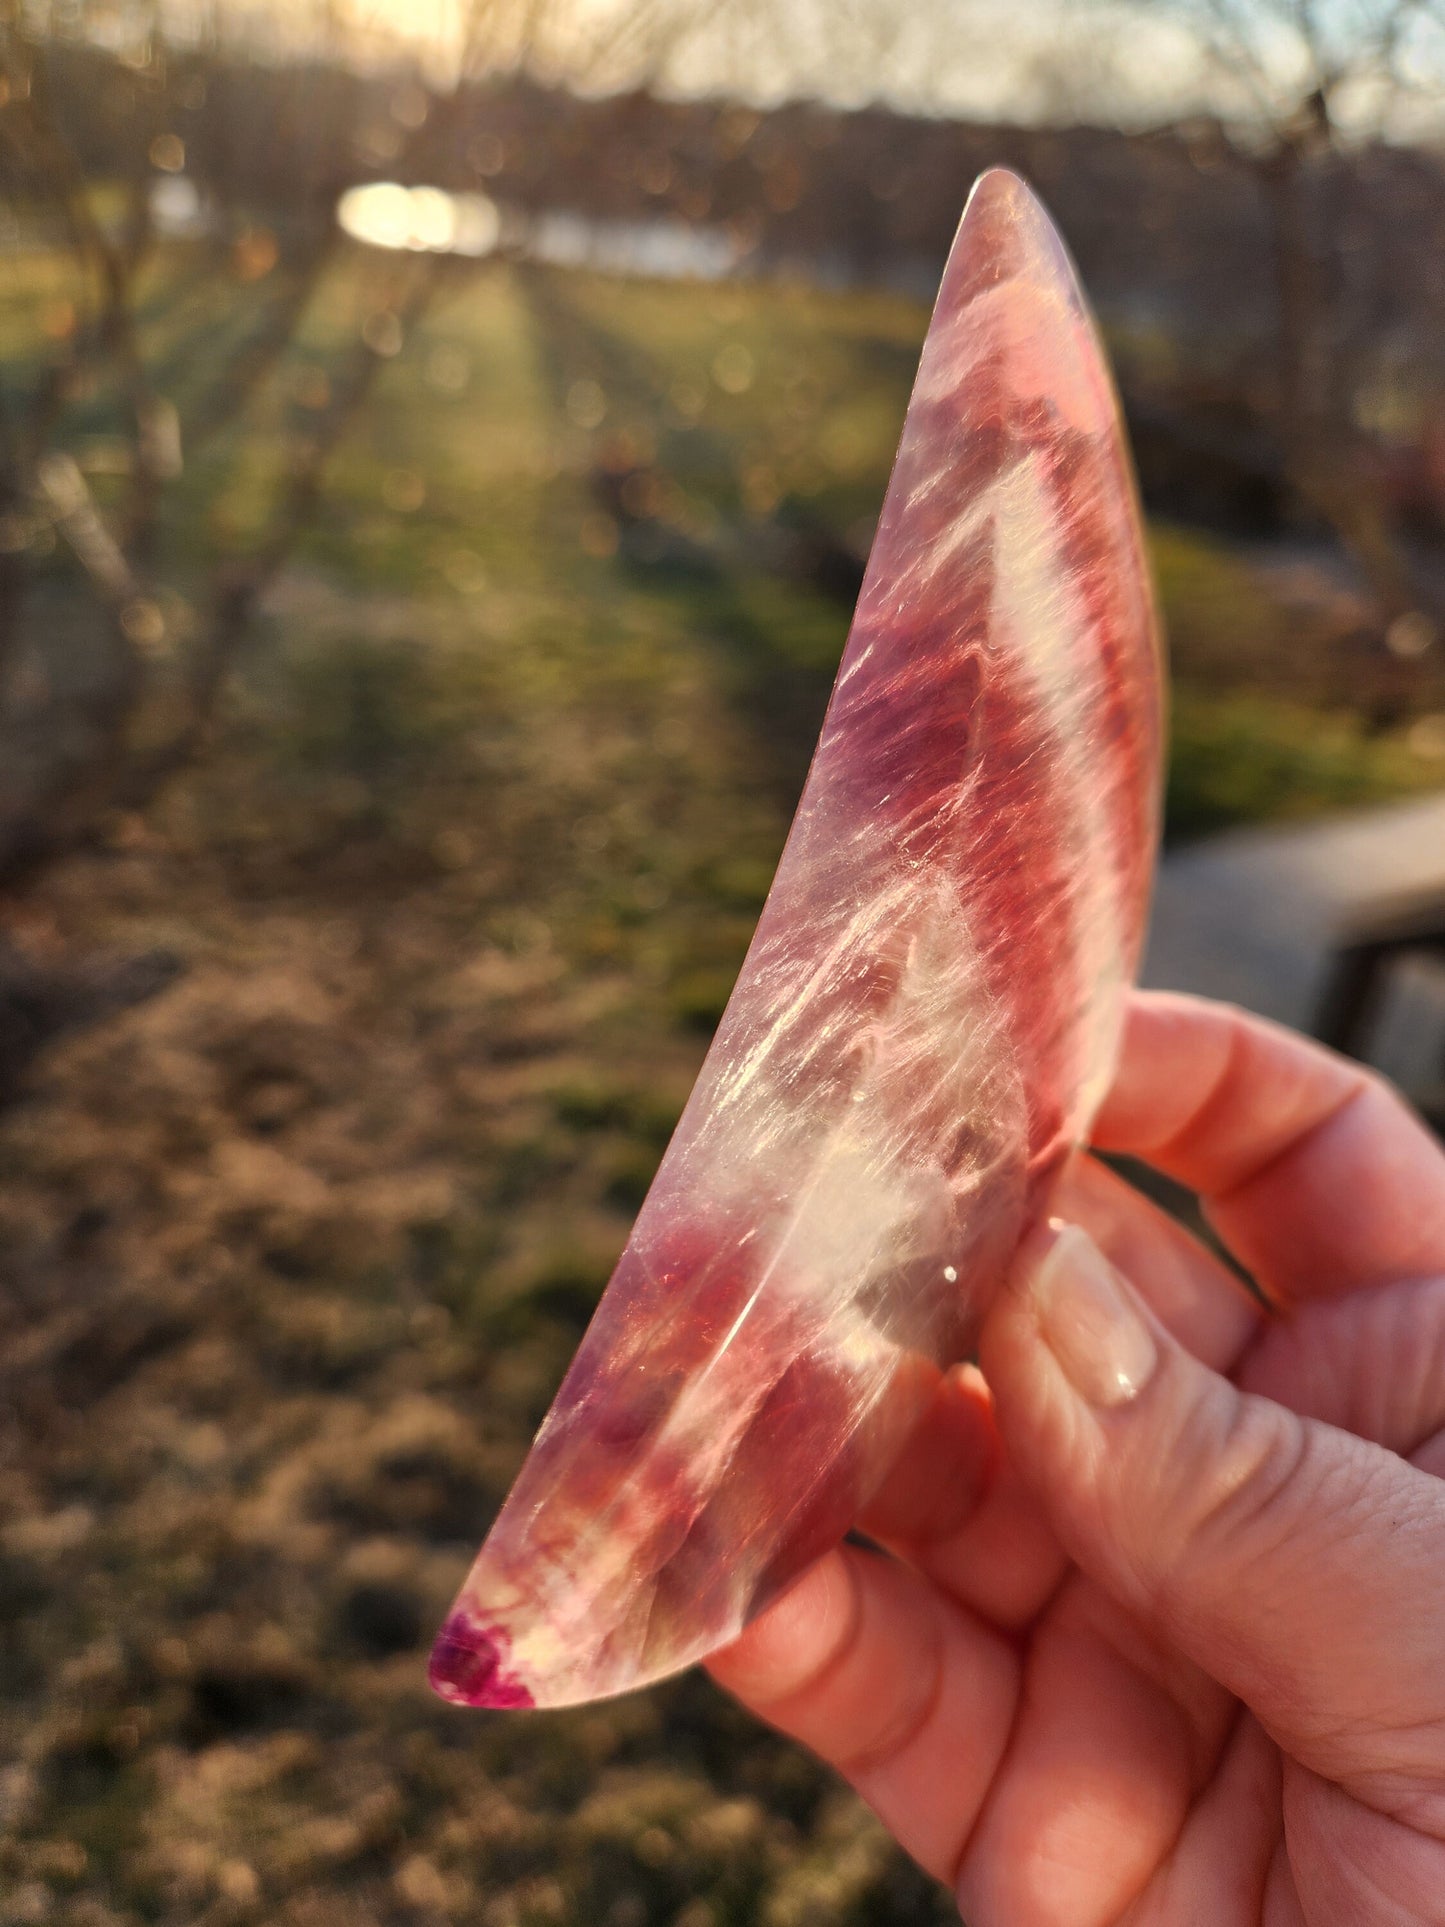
{"x": 926, "y": 1019}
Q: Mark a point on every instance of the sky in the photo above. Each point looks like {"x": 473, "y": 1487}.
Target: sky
{"x": 1135, "y": 62}
{"x": 991, "y": 58}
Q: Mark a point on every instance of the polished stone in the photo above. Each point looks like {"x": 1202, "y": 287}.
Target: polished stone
{"x": 925, "y": 1020}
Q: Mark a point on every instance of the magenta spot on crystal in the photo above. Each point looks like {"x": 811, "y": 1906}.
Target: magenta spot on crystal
{"x": 468, "y": 1666}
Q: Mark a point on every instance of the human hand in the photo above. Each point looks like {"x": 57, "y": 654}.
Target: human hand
{"x": 1164, "y": 1640}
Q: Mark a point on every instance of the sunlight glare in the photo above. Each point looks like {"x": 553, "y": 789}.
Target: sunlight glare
{"x": 425, "y": 220}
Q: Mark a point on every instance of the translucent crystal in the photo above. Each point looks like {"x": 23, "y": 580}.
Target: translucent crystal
{"x": 924, "y": 1023}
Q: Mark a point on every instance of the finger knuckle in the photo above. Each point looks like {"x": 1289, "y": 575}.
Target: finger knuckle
{"x": 1243, "y": 1505}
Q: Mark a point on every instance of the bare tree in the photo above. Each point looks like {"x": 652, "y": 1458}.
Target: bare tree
{"x": 116, "y": 643}
{"x": 1305, "y": 102}
{"x": 81, "y": 745}
{"x": 94, "y": 725}
{"x": 1309, "y": 103}
{"x": 1321, "y": 85}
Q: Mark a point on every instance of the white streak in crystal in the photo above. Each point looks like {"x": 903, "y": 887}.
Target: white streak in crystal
{"x": 1037, "y": 606}
{"x": 1039, "y": 625}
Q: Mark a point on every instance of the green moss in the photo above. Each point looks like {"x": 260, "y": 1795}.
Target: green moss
{"x": 1243, "y": 758}
{"x": 589, "y": 1105}
{"x": 628, "y": 1178}
{"x": 567, "y": 1285}
{"x": 1217, "y": 614}
{"x": 699, "y": 998}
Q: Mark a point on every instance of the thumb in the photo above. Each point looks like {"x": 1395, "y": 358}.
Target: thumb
{"x": 1297, "y": 1564}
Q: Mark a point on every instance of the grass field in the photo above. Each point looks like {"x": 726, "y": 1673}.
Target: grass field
{"x": 293, "y": 1256}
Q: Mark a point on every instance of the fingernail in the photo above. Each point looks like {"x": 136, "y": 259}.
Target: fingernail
{"x": 1106, "y": 1350}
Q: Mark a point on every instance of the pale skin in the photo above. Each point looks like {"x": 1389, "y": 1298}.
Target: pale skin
{"x": 1162, "y": 1639}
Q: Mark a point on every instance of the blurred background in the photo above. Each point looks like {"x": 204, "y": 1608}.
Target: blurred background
{"x": 439, "y": 445}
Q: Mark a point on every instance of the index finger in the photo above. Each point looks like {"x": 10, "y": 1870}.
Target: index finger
{"x": 1314, "y": 1171}
{"x": 880, "y": 1673}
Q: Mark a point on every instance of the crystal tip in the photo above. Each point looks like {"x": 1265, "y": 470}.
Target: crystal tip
{"x": 468, "y": 1666}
